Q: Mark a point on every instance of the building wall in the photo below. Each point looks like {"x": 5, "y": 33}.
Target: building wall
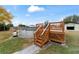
{"x": 76, "y": 26}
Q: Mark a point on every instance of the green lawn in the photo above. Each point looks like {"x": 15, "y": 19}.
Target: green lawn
{"x": 13, "y": 45}
{"x": 72, "y": 40}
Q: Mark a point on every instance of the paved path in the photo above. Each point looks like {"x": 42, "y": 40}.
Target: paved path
{"x": 33, "y": 49}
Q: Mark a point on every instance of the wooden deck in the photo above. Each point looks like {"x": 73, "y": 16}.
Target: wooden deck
{"x": 54, "y": 31}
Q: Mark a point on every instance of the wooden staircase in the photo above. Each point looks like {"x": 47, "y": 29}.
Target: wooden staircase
{"x": 53, "y": 32}
{"x": 41, "y": 35}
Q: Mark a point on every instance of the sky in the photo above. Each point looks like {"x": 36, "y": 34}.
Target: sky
{"x": 33, "y": 14}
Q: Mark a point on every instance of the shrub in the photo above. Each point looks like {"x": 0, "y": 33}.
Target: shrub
{"x": 4, "y": 27}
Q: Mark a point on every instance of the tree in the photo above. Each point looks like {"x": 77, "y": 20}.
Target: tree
{"x": 2, "y": 26}
{"x": 72, "y": 19}
{"x": 22, "y": 25}
{"x": 46, "y": 23}
{"x": 5, "y": 16}
{"x": 8, "y": 26}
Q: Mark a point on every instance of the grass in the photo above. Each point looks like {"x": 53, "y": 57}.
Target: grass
{"x": 13, "y": 45}
{"x": 72, "y": 41}
{"x": 4, "y": 35}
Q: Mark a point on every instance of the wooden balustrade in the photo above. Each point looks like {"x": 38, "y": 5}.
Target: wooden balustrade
{"x": 45, "y": 34}
{"x": 57, "y": 32}
{"x": 38, "y": 31}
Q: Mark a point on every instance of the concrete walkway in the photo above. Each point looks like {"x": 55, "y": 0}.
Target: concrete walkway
{"x": 33, "y": 49}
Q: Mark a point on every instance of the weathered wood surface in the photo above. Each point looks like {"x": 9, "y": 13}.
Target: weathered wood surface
{"x": 57, "y": 32}
{"x": 52, "y": 32}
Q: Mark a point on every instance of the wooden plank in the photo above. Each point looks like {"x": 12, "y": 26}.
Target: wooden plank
{"x": 43, "y": 35}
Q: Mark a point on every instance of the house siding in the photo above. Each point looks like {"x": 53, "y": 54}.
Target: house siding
{"x": 76, "y": 26}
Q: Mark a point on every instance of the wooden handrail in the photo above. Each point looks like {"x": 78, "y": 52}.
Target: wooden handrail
{"x": 45, "y": 34}
{"x": 38, "y": 32}
{"x": 38, "y": 29}
{"x": 45, "y": 30}
{"x": 37, "y": 25}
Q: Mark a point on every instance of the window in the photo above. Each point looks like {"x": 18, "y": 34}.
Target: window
{"x": 70, "y": 28}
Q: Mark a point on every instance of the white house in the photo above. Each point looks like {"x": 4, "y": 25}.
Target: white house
{"x": 72, "y": 27}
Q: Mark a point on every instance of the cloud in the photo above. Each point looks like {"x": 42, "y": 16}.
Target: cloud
{"x": 27, "y": 15}
{"x": 8, "y": 10}
{"x": 35, "y": 9}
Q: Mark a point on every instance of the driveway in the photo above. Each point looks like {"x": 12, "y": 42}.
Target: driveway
{"x": 33, "y": 49}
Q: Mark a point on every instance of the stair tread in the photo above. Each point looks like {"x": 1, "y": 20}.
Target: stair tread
{"x": 39, "y": 40}
{"x": 38, "y": 44}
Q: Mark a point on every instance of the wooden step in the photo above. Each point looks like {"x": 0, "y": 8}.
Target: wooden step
{"x": 40, "y": 45}
{"x": 40, "y": 41}
{"x": 38, "y": 38}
